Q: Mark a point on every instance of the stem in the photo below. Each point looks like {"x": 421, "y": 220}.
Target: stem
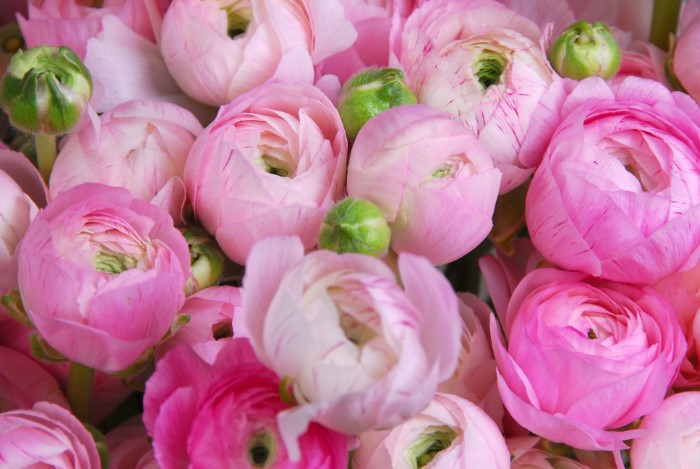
{"x": 80, "y": 390}
{"x": 45, "y": 153}
{"x": 664, "y": 22}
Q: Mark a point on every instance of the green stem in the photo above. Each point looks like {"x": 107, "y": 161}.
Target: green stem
{"x": 80, "y": 390}
{"x": 45, "y": 153}
{"x": 664, "y": 22}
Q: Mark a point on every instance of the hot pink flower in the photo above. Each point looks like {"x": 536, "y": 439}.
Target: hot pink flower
{"x": 138, "y": 145}
{"x": 482, "y": 63}
{"x": 216, "y": 406}
{"x": 272, "y": 163}
{"x": 618, "y": 192}
{"x": 102, "y": 275}
{"x": 46, "y": 436}
{"x": 23, "y": 382}
{"x": 583, "y": 356}
{"x": 451, "y": 432}
{"x": 434, "y": 182}
{"x": 671, "y": 434}
{"x": 216, "y": 53}
{"x": 72, "y": 23}
{"x": 359, "y": 351}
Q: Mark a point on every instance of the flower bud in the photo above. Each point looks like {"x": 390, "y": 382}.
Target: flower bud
{"x": 370, "y": 92}
{"x": 355, "y": 225}
{"x": 45, "y": 90}
{"x": 206, "y": 260}
{"x": 585, "y": 50}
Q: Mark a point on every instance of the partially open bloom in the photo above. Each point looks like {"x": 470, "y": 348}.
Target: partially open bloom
{"x": 216, "y": 405}
{"x": 139, "y": 145}
{"x": 481, "y": 62}
{"x": 617, "y": 194}
{"x": 357, "y": 350}
{"x": 102, "y": 275}
{"x": 432, "y": 179}
{"x": 46, "y": 435}
{"x": 272, "y": 163}
{"x": 582, "y": 357}
{"x": 451, "y": 432}
{"x": 672, "y": 432}
{"x": 218, "y": 50}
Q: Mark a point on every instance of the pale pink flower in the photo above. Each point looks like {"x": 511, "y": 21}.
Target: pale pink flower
{"x": 359, "y": 351}
{"x": 685, "y": 64}
{"x": 23, "y": 193}
{"x": 672, "y": 433}
{"x": 272, "y": 163}
{"x": 216, "y": 405}
{"x": 102, "y": 275}
{"x": 458, "y": 432}
{"x": 432, "y": 179}
{"x": 23, "y": 382}
{"x": 482, "y": 63}
{"x": 216, "y": 53}
{"x": 617, "y": 194}
{"x": 139, "y": 145}
{"x": 582, "y": 357}
{"x": 73, "y": 23}
{"x": 46, "y": 436}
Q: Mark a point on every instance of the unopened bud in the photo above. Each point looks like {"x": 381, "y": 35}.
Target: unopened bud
{"x": 370, "y": 92}
{"x": 584, "y": 50}
{"x": 355, "y": 225}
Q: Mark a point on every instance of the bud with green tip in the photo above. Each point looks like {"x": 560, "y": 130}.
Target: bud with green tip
{"x": 585, "y": 50}
{"x": 355, "y": 225}
{"x": 370, "y": 92}
{"x": 206, "y": 259}
{"x": 45, "y": 90}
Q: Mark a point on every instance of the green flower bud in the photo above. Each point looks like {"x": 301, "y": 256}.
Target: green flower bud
{"x": 355, "y": 225}
{"x": 585, "y": 50}
{"x": 370, "y": 92}
{"x": 45, "y": 90}
{"x": 206, "y": 260}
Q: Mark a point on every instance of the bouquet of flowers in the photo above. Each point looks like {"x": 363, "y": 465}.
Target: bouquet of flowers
{"x": 350, "y": 234}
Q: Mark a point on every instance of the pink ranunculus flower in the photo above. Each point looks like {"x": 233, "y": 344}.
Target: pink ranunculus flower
{"x": 46, "y": 436}
{"x": 214, "y": 313}
{"x": 73, "y": 23}
{"x": 216, "y": 52}
{"x": 583, "y": 357}
{"x": 23, "y": 193}
{"x": 432, "y": 179}
{"x": 102, "y": 274}
{"x": 617, "y": 194}
{"x": 450, "y": 432}
{"x": 23, "y": 382}
{"x": 140, "y": 145}
{"x": 483, "y": 63}
{"x": 475, "y": 377}
{"x": 359, "y": 351}
{"x": 129, "y": 447}
{"x": 672, "y": 432}
{"x": 272, "y": 163}
{"x": 525, "y": 455}
{"x": 216, "y": 405}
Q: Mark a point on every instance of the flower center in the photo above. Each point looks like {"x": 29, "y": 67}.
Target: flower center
{"x": 272, "y": 165}
{"x": 238, "y": 14}
{"x": 262, "y": 450}
{"x": 489, "y": 67}
{"x": 424, "y": 449}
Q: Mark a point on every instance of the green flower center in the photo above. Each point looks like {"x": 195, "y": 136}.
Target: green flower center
{"x": 489, "y": 68}
{"x": 112, "y": 262}
{"x": 429, "y": 444}
{"x": 238, "y": 13}
{"x": 262, "y": 450}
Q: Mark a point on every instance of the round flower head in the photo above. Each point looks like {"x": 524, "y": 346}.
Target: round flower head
{"x": 585, "y": 50}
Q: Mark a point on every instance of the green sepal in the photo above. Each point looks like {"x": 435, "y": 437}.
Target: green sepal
{"x": 41, "y": 350}
{"x": 12, "y": 302}
{"x": 100, "y": 444}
